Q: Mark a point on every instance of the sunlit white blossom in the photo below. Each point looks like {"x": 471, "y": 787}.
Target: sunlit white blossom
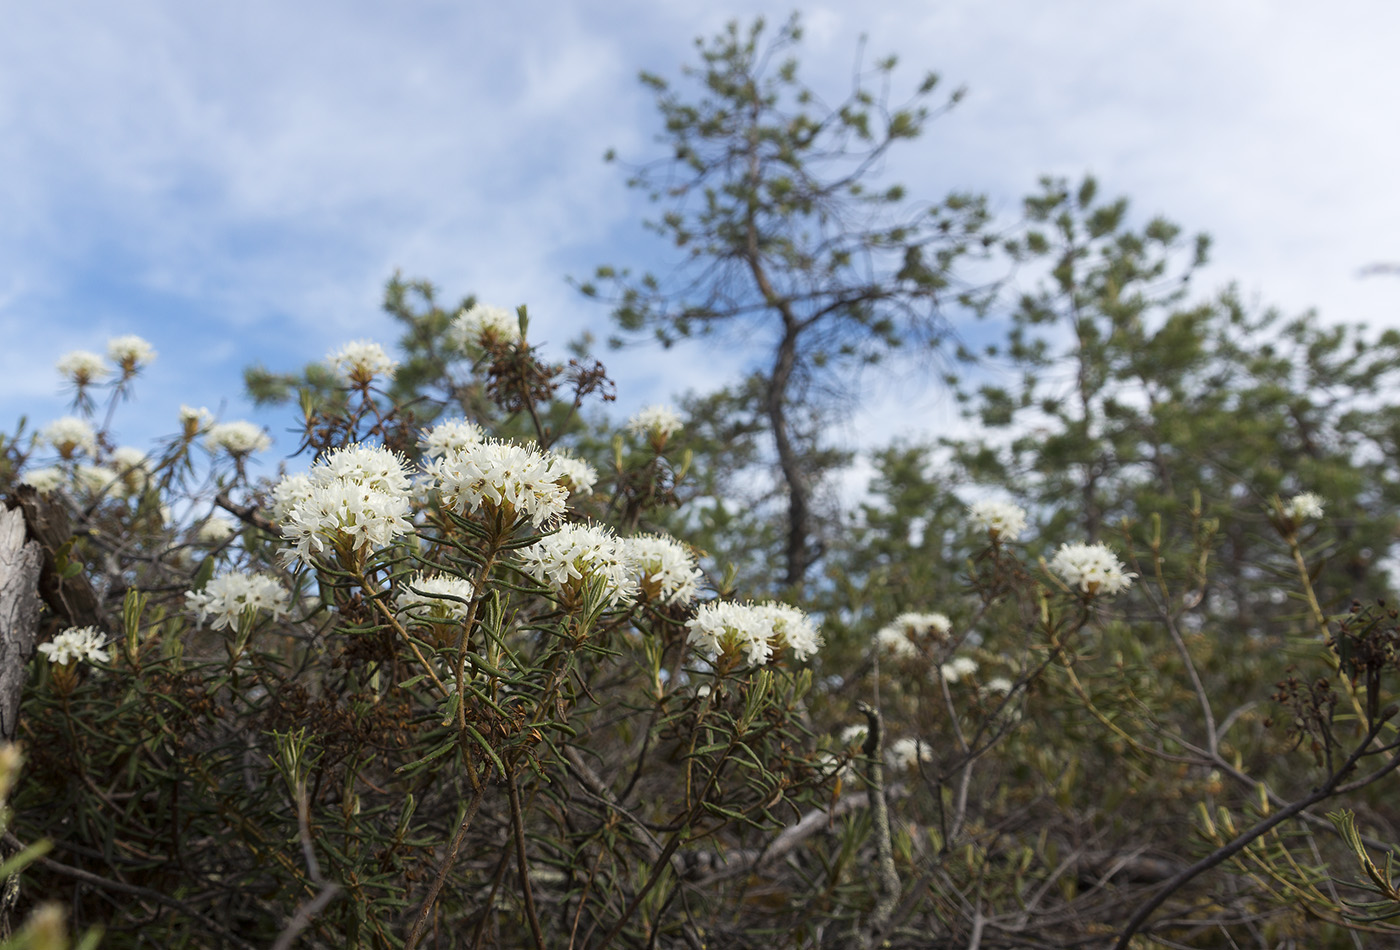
{"x": 499, "y": 477}
{"x": 666, "y": 570}
{"x": 358, "y": 502}
{"x": 194, "y": 420}
{"x": 958, "y": 668}
{"x": 997, "y": 684}
{"x": 430, "y": 606}
{"x": 215, "y": 530}
{"x": 449, "y": 436}
{"x": 131, "y": 467}
{"x": 485, "y": 325}
{"x": 854, "y": 735}
{"x": 237, "y": 438}
{"x": 1092, "y": 568}
{"x": 83, "y": 367}
{"x": 576, "y": 475}
{"x": 130, "y": 352}
{"x": 904, "y": 754}
{"x": 1002, "y": 520}
{"x": 656, "y": 423}
{"x": 286, "y": 494}
{"x": 70, "y": 435}
{"x": 226, "y": 598}
{"x": 755, "y": 630}
{"x": 95, "y": 479}
{"x": 359, "y": 361}
{"x": 74, "y": 644}
{"x": 579, "y": 556}
{"x": 1303, "y": 507}
{"x": 903, "y": 636}
{"x": 792, "y": 629}
{"x": 45, "y": 479}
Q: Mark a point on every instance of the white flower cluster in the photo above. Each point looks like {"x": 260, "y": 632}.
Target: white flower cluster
{"x": 756, "y": 630}
{"x": 1002, "y": 520}
{"x": 83, "y": 367}
{"x": 46, "y": 479}
{"x": 237, "y": 438}
{"x": 215, "y": 530}
{"x": 657, "y": 423}
{"x": 580, "y": 555}
{"x": 1092, "y": 568}
{"x": 503, "y": 477}
{"x": 484, "y": 325}
{"x": 450, "y": 436}
{"x": 424, "y": 602}
{"x": 130, "y": 352}
{"x": 576, "y": 475}
{"x": 356, "y": 498}
{"x": 291, "y": 491}
{"x": 904, "y": 754}
{"x": 194, "y": 420}
{"x": 359, "y": 361}
{"x": 131, "y": 471}
{"x": 854, "y": 735}
{"x": 1302, "y": 507}
{"x": 666, "y": 571}
{"x": 226, "y": 598}
{"x": 69, "y": 436}
{"x": 902, "y": 636}
{"x": 74, "y": 644}
{"x": 94, "y": 479}
{"x": 958, "y": 668}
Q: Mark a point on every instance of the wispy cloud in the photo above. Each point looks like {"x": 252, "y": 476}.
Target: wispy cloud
{"x": 237, "y": 182}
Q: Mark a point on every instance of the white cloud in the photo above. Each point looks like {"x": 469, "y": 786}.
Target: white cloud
{"x": 240, "y": 180}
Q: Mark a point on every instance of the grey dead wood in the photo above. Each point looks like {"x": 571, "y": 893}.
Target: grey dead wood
{"x": 20, "y": 560}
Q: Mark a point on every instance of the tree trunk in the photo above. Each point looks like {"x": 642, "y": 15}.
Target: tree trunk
{"x": 20, "y": 564}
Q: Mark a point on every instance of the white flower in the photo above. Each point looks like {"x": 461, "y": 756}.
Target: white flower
{"x": 576, "y": 475}
{"x": 485, "y": 325}
{"x": 358, "y": 502}
{"x": 194, "y": 420}
{"x": 429, "y": 606}
{"x": 130, "y": 352}
{"x": 657, "y": 423}
{"x": 1302, "y": 507}
{"x": 74, "y": 644}
{"x": 215, "y": 530}
{"x": 226, "y": 598}
{"x": 360, "y": 361}
{"x": 580, "y": 555}
{"x": 45, "y": 479}
{"x": 287, "y": 494}
{"x": 756, "y": 630}
{"x": 958, "y": 668}
{"x": 1092, "y": 568}
{"x": 904, "y": 754}
{"x": 449, "y": 436}
{"x": 94, "y": 479}
{"x": 854, "y": 735}
{"x": 666, "y": 571}
{"x": 792, "y": 629}
{"x": 82, "y": 367}
{"x": 237, "y": 438}
{"x": 132, "y": 469}
{"x": 997, "y": 684}
{"x": 1002, "y": 520}
{"x": 70, "y": 435}
{"x": 903, "y": 635}
{"x": 503, "y": 477}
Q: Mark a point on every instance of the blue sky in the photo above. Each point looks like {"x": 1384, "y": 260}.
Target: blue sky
{"x": 235, "y": 182}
